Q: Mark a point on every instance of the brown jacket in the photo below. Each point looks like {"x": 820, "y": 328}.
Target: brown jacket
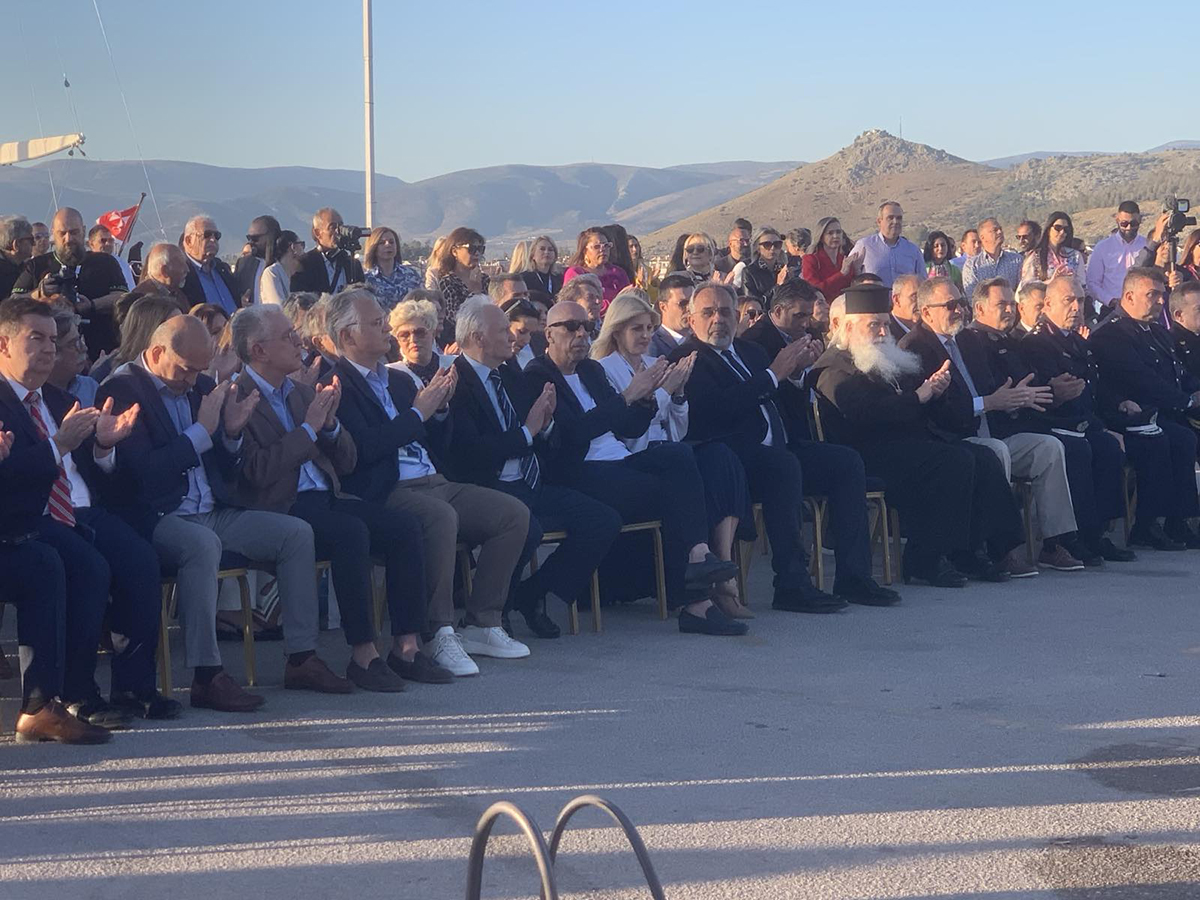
{"x": 272, "y": 457}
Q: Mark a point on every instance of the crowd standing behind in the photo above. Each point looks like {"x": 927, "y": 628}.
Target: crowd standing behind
{"x": 337, "y": 404}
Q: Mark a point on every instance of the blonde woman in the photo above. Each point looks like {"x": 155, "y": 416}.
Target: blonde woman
{"x": 431, "y": 270}
{"x": 539, "y": 271}
{"x": 621, "y": 350}
{"x": 387, "y": 276}
{"x": 642, "y": 276}
{"x": 413, "y": 322}
{"x": 519, "y": 261}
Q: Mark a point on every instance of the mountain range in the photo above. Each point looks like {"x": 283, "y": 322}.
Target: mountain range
{"x": 512, "y": 202}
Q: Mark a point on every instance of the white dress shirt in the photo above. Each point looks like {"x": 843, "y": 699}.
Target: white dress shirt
{"x": 670, "y": 423}
{"x": 769, "y": 439}
{"x": 413, "y": 459}
{"x": 605, "y": 447}
{"x": 511, "y": 471}
{"x": 81, "y": 497}
{"x": 273, "y": 285}
{"x": 1107, "y": 264}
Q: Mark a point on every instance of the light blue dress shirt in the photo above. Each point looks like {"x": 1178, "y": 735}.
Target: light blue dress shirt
{"x": 311, "y": 476}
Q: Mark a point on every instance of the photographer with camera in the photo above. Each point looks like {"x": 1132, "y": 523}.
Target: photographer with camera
{"x": 330, "y": 265}
{"x": 1164, "y": 238}
{"x": 90, "y": 282}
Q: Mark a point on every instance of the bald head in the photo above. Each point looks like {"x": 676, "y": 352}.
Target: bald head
{"x": 180, "y": 349}
{"x": 565, "y": 312}
{"x": 167, "y": 264}
{"x": 66, "y": 232}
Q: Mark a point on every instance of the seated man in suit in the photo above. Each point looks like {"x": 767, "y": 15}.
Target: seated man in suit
{"x": 1185, "y": 325}
{"x": 61, "y": 460}
{"x": 401, "y": 434}
{"x": 295, "y": 468}
{"x": 209, "y": 279}
{"x": 873, "y": 399}
{"x": 164, "y": 273}
{"x": 1140, "y": 375}
{"x": 674, "y": 295}
{"x": 789, "y": 319}
{"x": 177, "y": 472}
{"x": 1093, "y": 456}
{"x": 1031, "y": 298}
{"x": 980, "y": 408}
{"x": 326, "y": 268}
{"x": 733, "y": 396}
{"x": 503, "y": 434}
{"x": 660, "y": 482}
{"x": 904, "y": 305}
{"x": 1058, "y": 352}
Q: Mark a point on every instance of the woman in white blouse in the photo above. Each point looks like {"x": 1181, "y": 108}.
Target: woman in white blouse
{"x": 274, "y": 284}
{"x": 621, "y": 349}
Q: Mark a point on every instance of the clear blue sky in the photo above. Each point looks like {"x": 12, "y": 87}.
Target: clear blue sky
{"x": 465, "y": 84}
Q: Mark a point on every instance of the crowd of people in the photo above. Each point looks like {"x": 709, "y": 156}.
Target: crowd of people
{"x": 338, "y": 405}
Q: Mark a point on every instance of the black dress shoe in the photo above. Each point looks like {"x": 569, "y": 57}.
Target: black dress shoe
{"x": 422, "y": 669}
{"x": 1152, "y": 535}
{"x": 939, "y": 573}
{"x": 536, "y": 619}
{"x": 1183, "y": 533}
{"x": 376, "y": 676}
{"x": 709, "y": 571}
{"x": 806, "y": 600}
{"x": 95, "y": 711}
{"x": 1106, "y": 549}
{"x": 146, "y": 706}
{"x": 865, "y": 592}
{"x": 712, "y": 622}
{"x": 978, "y": 566}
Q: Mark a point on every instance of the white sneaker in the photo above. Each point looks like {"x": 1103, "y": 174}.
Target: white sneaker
{"x": 491, "y": 642}
{"x": 447, "y": 651}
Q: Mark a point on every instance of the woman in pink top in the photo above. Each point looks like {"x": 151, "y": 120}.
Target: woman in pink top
{"x": 591, "y": 258}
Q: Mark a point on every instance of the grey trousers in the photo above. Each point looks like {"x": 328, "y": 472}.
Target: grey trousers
{"x": 1041, "y": 459}
{"x": 192, "y": 545}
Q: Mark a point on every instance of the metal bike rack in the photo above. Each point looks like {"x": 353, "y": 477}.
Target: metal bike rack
{"x": 546, "y": 857}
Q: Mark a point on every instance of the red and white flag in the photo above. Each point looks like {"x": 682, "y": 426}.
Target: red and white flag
{"x": 119, "y": 221}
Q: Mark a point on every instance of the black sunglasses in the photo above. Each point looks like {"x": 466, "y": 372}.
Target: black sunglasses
{"x": 775, "y": 244}
{"x": 473, "y": 248}
{"x": 572, "y": 326}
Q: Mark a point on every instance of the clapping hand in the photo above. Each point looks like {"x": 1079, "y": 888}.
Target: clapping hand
{"x": 1066, "y": 387}
{"x": 237, "y": 412}
{"x": 434, "y": 395}
{"x": 320, "y": 408}
{"x": 1010, "y": 397}
{"x": 935, "y": 385}
{"x": 309, "y": 374}
{"x": 810, "y": 350}
{"x": 110, "y": 429}
{"x": 209, "y": 414}
{"x": 6, "y": 442}
{"x": 76, "y": 425}
{"x": 647, "y": 381}
{"x": 791, "y": 358}
{"x": 1128, "y": 408}
{"x": 542, "y": 410}
{"x": 678, "y": 375}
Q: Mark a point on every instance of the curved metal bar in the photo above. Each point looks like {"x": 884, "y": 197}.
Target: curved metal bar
{"x": 483, "y": 830}
{"x": 631, "y": 835}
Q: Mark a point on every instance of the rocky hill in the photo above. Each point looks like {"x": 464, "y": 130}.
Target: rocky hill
{"x": 941, "y": 191}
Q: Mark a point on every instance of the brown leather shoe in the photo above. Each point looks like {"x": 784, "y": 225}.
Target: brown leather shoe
{"x": 224, "y": 695}
{"x": 53, "y": 723}
{"x": 314, "y": 675}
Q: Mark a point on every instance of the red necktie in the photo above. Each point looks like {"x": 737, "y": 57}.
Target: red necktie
{"x": 60, "y": 506}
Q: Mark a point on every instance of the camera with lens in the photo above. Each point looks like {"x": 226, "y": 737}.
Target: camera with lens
{"x": 348, "y": 237}
{"x": 67, "y": 282}
{"x": 1179, "y": 220}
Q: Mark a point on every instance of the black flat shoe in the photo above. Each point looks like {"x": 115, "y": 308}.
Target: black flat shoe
{"x": 978, "y": 566}
{"x": 712, "y": 622}
{"x": 146, "y": 706}
{"x": 941, "y": 574}
{"x": 1109, "y": 551}
{"x": 422, "y": 669}
{"x": 1182, "y": 533}
{"x": 810, "y": 600}
{"x": 865, "y": 592}
{"x": 95, "y": 711}
{"x": 377, "y": 676}
{"x": 536, "y": 619}
{"x": 710, "y": 571}
{"x": 1153, "y": 536}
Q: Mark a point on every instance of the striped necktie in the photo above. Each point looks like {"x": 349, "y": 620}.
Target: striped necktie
{"x": 59, "y": 506}
{"x": 530, "y": 470}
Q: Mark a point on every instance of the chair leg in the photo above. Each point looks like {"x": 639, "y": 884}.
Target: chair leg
{"x": 897, "y": 545}
{"x": 247, "y": 628}
{"x": 885, "y": 540}
{"x": 762, "y": 530}
{"x": 468, "y": 578}
{"x": 740, "y": 558}
{"x": 818, "y": 508}
{"x": 573, "y": 618}
{"x": 164, "y": 642}
{"x": 597, "y": 614}
{"x": 660, "y": 574}
{"x": 1028, "y": 498}
{"x": 379, "y": 596}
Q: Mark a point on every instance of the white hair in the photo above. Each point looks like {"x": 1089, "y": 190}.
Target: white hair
{"x": 882, "y": 358}
{"x": 470, "y": 318}
{"x": 419, "y": 311}
{"x": 190, "y": 227}
{"x": 249, "y": 324}
{"x": 340, "y": 313}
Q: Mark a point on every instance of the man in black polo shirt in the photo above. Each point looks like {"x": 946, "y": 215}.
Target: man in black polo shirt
{"x": 90, "y": 282}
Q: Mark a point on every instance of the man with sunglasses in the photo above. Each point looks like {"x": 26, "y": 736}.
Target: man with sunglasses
{"x": 326, "y": 268}
{"x": 209, "y": 279}
{"x": 1113, "y": 256}
{"x": 261, "y": 237}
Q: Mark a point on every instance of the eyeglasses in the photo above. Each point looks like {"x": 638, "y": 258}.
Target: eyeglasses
{"x": 1024, "y": 236}
{"x": 211, "y": 235}
{"x": 773, "y": 244}
{"x": 1132, "y": 223}
{"x": 697, "y": 248}
{"x": 1058, "y": 226}
{"x": 253, "y": 238}
{"x": 753, "y": 314}
{"x": 949, "y": 305}
{"x": 472, "y": 248}
{"x": 412, "y": 335}
{"x": 572, "y": 325}
{"x": 298, "y": 245}
{"x": 598, "y": 247}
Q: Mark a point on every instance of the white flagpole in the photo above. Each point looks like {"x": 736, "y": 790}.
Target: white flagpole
{"x": 369, "y": 115}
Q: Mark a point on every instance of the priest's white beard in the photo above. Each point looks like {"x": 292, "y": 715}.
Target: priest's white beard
{"x": 884, "y": 359}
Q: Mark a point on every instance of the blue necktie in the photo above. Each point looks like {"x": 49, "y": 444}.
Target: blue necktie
{"x": 530, "y": 471}
{"x": 778, "y": 431}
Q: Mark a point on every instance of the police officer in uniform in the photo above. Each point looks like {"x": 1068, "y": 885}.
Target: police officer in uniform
{"x": 1143, "y": 381}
